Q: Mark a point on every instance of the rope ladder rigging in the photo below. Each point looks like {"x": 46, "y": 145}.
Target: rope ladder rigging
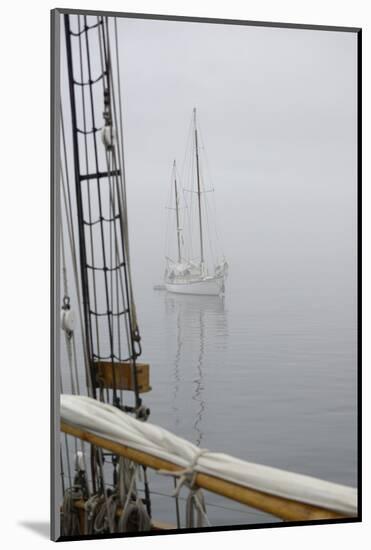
{"x": 96, "y": 205}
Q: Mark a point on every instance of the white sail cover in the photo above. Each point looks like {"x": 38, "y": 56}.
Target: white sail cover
{"x": 111, "y": 423}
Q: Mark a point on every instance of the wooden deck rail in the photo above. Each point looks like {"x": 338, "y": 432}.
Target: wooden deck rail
{"x": 283, "y": 508}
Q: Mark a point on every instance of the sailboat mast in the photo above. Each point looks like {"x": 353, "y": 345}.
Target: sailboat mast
{"x": 198, "y": 187}
{"x": 177, "y": 214}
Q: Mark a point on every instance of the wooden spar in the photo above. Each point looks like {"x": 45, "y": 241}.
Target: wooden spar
{"x": 283, "y": 508}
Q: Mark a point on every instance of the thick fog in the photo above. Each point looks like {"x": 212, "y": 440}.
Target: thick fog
{"x": 277, "y": 112}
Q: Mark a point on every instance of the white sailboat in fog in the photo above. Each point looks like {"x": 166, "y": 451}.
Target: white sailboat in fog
{"x": 188, "y": 274}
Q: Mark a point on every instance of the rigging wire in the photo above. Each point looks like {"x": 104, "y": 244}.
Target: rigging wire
{"x": 66, "y": 197}
{"x": 121, "y": 139}
{"x": 78, "y": 191}
{"x": 132, "y": 320}
{"x": 85, "y": 29}
{"x": 210, "y": 177}
{"x": 104, "y": 256}
{"x": 188, "y": 178}
{"x": 67, "y": 452}
{"x": 121, "y": 165}
{"x": 69, "y": 332}
{"x": 88, "y": 186}
{"x": 116, "y": 216}
{"x": 171, "y": 222}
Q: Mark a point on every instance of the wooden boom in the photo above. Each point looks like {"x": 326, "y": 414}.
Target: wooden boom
{"x": 286, "y": 509}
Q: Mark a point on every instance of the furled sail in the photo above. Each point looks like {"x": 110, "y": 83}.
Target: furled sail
{"x": 110, "y": 423}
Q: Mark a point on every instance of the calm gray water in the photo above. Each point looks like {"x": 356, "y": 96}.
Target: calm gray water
{"x": 267, "y": 374}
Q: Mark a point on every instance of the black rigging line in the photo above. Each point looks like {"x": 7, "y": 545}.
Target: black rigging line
{"x": 114, "y": 176}
{"x": 116, "y": 217}
{"x": 87, "y": 132}
{"x": 112, "y": 206}
{"x": 85, "y": 29}
{"x": 108, "y": 123}
{"x": 121, "y": 148}
{"x": 119, "y": 313}
{"x": 88, "y": 187}
{"x": 109, "y": 319}
{"x": 105, "y": 269}
{"x": 71, "y": 234}
{"x": 133, "y": 330}
{"x": 98, "y": 175}
{"x": 111, "y": 357}
{"x": 84, "y": 285}
{"x": 114, "y": 246}
{"x": 119, "y": 189}
{"x": 90, "y": 82}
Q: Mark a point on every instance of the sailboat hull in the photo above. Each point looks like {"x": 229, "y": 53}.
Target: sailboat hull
{"x": 209, "y": 286}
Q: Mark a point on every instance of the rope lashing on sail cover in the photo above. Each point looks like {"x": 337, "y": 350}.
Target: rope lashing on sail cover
{"x": 195, "y": 499}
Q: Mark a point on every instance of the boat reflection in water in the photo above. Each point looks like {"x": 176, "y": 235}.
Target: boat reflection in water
{"x": 201, "y": 339}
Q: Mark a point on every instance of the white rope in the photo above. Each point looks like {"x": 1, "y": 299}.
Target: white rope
{"x": 70, "y": 520}
{"x": 196, "y": 501}
{"x": 91, "y": 506}
{"x": 187, "y": 477}
{"x": 109, "y": 422}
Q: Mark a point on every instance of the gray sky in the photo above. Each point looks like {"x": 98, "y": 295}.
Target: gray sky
{"x": 277, "y": 110}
